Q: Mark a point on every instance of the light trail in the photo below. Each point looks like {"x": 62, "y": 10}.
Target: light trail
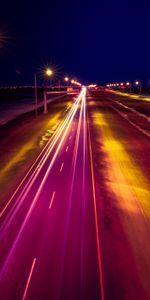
{"x": 83, "y": 194}
{"x": 78, "y": 132}
{"x": 33, "y": 177}
{"x": 37, "y": 170}
{"x": 96, "y": 221}
{"x": 126, "y": 180}
{"x": 63, "y": 136}
{"x": 74, "y": 165}
{"x": 79, "y": 249}
{"x": 42, "y": 157}
{"x": 128, "y": 188}
{"x": 132, "y": 96}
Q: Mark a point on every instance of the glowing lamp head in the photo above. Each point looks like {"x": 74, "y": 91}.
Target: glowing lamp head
{"x": 66, "y": 79}
{"x": 121, "y": 83}
{"x": 49, "y": 72}
{"x": 137, "y": 82}
{"x": 128, "y": 83}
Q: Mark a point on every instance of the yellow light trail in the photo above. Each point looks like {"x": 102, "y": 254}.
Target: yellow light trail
{"x": 132, "y": 96}
{"x": 129, "y": 190}
{"x": 125, "y": 178}
{"x": 96, "y": 221}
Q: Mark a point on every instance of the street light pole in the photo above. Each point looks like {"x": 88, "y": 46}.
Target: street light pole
{"x": 49, "y": 73}
{"x": 45, "y": 103}
{"x": 59, "y": 85}
{"x": 130, "y": 87}
{"x": 140, "y": 87}
{"x": 35, "y": 91}
{"x": 139, "y": 84}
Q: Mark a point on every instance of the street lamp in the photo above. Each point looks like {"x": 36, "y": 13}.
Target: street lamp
{"x": 138, "y": 83}
{"x": 35, "y": 91}
{"x": 121, "y": 85}
{"x": 49, "y": 72}
{"x": 129, "y": 85}
{"x": 66, "y": 79}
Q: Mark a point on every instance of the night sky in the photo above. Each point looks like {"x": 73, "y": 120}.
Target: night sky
{"x": 96, "y": 41}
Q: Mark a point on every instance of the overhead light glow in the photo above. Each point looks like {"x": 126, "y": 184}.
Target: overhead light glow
{"x": 49, "y": 72}
{"x": 137, "y": 82}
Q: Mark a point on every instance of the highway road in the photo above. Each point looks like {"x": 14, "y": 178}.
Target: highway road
{"x": 77, "y": 226}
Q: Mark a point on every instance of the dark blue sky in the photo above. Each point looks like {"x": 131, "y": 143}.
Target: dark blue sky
{"x": 100, "y": 41}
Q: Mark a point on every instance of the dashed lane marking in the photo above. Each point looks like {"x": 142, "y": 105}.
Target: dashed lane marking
{"x": 52, "y": 199}
{"x": 29, "y": 279}
{"x": 61, "y": 167}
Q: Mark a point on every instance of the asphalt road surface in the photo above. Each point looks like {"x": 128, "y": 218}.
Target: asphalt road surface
{"x": 77, "y": 226}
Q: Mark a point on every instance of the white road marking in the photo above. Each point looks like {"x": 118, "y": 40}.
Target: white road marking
{"x": 132, "y": 123}
{"x": 52, "y": 199}
{"x": 132, "y": 110}
{"x": 29, "y": 279}
{"x": 61, "y": 167}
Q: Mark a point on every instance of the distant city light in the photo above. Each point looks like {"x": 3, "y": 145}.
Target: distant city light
{"x": 93, "y": 85}
{"x": 75, "y": 82}
{"x": 123, "y": 85}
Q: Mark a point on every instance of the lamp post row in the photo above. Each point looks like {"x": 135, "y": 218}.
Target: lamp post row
{"x": 128, "y": 84}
